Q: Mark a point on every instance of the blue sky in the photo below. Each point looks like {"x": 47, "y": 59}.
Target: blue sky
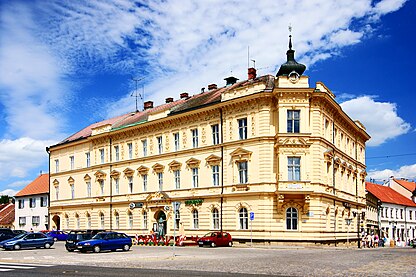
{"x": 67, "y": 64}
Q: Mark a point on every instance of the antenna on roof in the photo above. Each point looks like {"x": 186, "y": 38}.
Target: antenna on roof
{"x": 136, "y": 94}
{"x": 254, "y": 63}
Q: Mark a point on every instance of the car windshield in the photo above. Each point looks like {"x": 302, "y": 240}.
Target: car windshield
{"x": 99, "y": 236}
{"x": 20, "y": 236}
{"x": 211, "y": 235}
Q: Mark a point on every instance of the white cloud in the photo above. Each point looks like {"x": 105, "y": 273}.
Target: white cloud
{"x": 380, "y": 118}
{"x": 9, "y": 192}
{"x": 19, "y": 184}
{"x": 388, "y": 6}
{"x": 407, "y": 171}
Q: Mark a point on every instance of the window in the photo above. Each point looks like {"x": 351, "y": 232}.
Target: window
{"x": 215, "y": 219}
{"x": 293, "y": 168}
{"x": 130, "y": 148}
{"x": 293, "y": 118}
{"x": 195, "y": 219}
{"x": 130, "y": 178}
{"x": 215, "y": 175}
{"x": 176, "y": 141}
{"x": 410, "y": 215}
{"x": 72, "y": 160}
{"x": 144, "y": 144}
{"x": 215, "y": 134}
{"x": 144, "y": 220}
{"x": 101, "y": 187}
{"x": 130, "y": 220}
{"x": 57, "y": 192}
{"x": 35, "y": 220}
{"x": 102, "y": 155}
{"x": 242, "y": 172}
{"x": 195, "y": 138}
{"x": 88, "y": 158}
{"x": 32, "y": 202}
{"x": 117, "y": 153}
{"x": 391, "y": 212}
{"x": 145, "y": 182}
{"x": 117, "y": 216}
{"x": 160, "y": 180}
{"x": 72, "y": 191}
{"x": 78, "y": 221}
{"x": 117, "y": 185}
{"x": 56, "y": 166}
{"x": 160, "y": 144}
{"x": 88, "y": 189}
{"x": 401, "y": 213}
{"x": 88, "y": 221}
{"x": 22, "y": 220}
{"x": 21, "y": 203}
{"x": 242, "y": 128}
{"x": 67, "y": 221}
{"x": 243, "y": 216}
{"x": 44, "y": 201}
{"x": 177, "y": 219}
{"x": 195, "y": 177}
{"x": 177, "y": 174}
{"x": 291, "y": 219}
{"x": 102, "y": 220}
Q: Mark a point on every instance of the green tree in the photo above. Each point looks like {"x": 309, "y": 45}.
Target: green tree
{"x": 4, "y": 199}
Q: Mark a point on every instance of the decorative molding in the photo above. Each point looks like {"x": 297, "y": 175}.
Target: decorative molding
{"x": 193, "y": 163}
{"x": 241, "y": 154}
{"x": 175, "y": 165}
{"x": 71, "y": 180}
{"x": 128, "y": 172}
{"x": 55, "y": 183}
{"x": 100, "y": 175}
{"x": 158, "y": 168}
{"x": 142, "y": 170}
{"x": 213, "y": 160}
{"x": 115, "y": 174}
{"x": 87, "y": 178}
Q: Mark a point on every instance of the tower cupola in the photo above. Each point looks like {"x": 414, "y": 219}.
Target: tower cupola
{"x": 291, "y": 65}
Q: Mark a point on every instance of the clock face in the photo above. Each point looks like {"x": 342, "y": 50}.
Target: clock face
{"x": 293, "y": 77}
{"x": 132, "y": 205}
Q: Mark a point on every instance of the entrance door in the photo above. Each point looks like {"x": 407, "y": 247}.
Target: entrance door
{"x": 161, "y": 223}
{"x": 57, "y": 220}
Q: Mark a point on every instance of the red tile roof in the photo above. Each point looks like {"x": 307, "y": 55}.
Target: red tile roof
{"x": 388, "y": 195}
{"x": 39, "y": 186}
{"x": 411, "y": 186}
{"x": 7, "y": 214}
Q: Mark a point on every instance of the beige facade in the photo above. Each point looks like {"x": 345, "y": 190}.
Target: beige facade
{"x": 268, "y": 145}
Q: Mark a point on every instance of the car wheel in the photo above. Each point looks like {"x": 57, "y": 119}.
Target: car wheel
{"x": 16, "y": 247}
{"x": 126, "y": 247}
{"x": 47, "y": 245}
{"x": 97, "y": 249}
{"x": 213, "y": 244}
{"x": 230, "y": 244}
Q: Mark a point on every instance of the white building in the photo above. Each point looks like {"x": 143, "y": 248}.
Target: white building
{"x": 31, "y": 204}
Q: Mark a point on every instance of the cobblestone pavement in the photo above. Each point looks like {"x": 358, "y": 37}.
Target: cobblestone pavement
{"x": 278, "y": 261}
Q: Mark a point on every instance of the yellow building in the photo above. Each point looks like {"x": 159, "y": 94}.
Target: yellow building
{"x": 271, "y": 147}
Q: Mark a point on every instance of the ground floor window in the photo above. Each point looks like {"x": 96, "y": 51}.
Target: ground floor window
{"x": 243, "y": 216}
{"x": 291, "y": 219}
{"x": 195, "y": 219}
{"x": 215, "y": 219}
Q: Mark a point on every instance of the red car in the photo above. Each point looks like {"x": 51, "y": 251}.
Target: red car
{"x": 214, "y": 239}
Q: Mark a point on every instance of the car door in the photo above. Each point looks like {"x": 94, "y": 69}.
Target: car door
{"x": 108, "y": 241}
{"x": 28, "y": 241}
{"x": 39, "y": 240}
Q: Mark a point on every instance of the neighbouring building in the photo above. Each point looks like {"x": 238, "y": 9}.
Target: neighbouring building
{"x": 7, "y": 215}
{"x": 268, "y": 156}
{"x": 32, "y": 205}
{"x": 403, "y": 186}
{"x": 396, "y": 213}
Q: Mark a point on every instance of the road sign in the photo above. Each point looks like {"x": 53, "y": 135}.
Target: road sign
{"x": 251, "y": 215}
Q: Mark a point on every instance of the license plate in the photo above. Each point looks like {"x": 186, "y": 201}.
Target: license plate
{"x": 70, "y": 241}
{"x": 200, "y": 242}
{"x": 79, "y": 246}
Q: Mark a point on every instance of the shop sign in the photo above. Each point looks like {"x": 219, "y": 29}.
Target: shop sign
{"x": 196, "y": 202}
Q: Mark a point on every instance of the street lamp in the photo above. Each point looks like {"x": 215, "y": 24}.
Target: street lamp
{"x": 360, "y": 216}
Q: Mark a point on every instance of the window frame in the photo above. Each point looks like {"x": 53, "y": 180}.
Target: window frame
{"x": 195, "y": 177}
{"x": 215, "y": 134}
{"x": 242, "y": 172}
{"x": 215, "y": 175}
{"x": 242, "y": 128}
{"x": 160, "y": 144}
{"x": 130, "y": 150}
{"x": 88, "y": 159}
{"x": 195, "y": 138}
{"x": 117, "y": 153}
{"x": 243, "y": 218}
{"x": 177, "y": 177}
{"x": 293, "y": 121}
{"x": 292, "y": 218}
{"x": 215, "y": 219}
{"x": 176, "y": 141}
{"x": 160, "y": 180}
{"x": 293, "y": 167}
{"x": 195, "y": 219}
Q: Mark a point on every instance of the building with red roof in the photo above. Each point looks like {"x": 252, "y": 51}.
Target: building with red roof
{"x": 403, "y": 186}
{"x": 32, "y": 205}
{"x": 7, "y": 215}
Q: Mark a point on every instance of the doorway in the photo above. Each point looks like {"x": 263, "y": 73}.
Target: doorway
{"x": 57, "y": 222}
{"x": 161, "y": 225}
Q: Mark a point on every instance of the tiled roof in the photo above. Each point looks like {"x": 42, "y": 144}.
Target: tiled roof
{"x": 7, "y": 214}
{"x": 178, "y": 106}
{"x": 39, "y": 186}
{"x": 410, "y": 186}
{"x": 388, "y": 195}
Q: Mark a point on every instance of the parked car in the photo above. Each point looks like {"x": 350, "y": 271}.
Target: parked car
{"x": 6, "y": 233}
{"x": 27, "y": 240}
{"x": 214, "y": 239}
{"x": 57, "y": 235}
{"x": 106, "y": 241}
{"x": 76, "y": 236}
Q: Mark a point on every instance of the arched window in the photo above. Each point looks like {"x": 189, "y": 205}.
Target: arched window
{"x": 215, "y": 219}
{"x": 77, "y": 221}
{"x": 88, "y": 221}
{"x": 130, "y": 215}
{"x": 67, "y": 221}
{"x": 291, "y": 219}
{"x": 243, "y": 216}
{"x": 195, "y": 219}
{"x": 117, "y": 217}
{"x": 144, "y": 220}
{"x": 102, "y": 220}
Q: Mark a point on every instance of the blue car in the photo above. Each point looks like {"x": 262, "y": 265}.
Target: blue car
{"x": 28, "y": 240}
{"x": 57, "y": 235}
{"x": 106, "y": 241}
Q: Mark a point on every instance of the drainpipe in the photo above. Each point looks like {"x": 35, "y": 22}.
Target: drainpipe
{"x": 222, "y": 166}
{"x": 405, "y": 225}
{"x": 49, "y": 184}
{"x": 111, "y": 185}
{"x": 333, "y": 175}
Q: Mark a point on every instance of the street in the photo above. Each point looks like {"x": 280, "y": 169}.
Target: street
{"x": 195, "y": 261}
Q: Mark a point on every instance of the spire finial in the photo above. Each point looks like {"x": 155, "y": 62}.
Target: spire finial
{"x": 290, "y": 36}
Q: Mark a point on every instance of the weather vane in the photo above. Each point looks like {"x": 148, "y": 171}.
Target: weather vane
{"x": 290, "y": 28}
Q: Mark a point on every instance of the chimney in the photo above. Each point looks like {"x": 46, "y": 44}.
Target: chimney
{"x": 230, "y": 81}
{"x": 212, "y": 86}
{"x": 148, "y": 105}
{"x": 169, "y": 100}
{"x": 252, "y": 73}
{"x": 184, "y": 95}
{"x": 202, "y": 90}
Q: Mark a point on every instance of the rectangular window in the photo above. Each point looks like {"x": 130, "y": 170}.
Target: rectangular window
{"x": 72, "y": 191}
{"x": 293, "y": 168}
{"x": 293, "y": 120}
{"x": 144, "y": 220}
{"x": 117, "y": 153}
{"x": 243, "y": 172}
{"x": 242, "y": 128}
{"x": 72, "y": 161}
{"x": 160, "y": 180}
{"x": 88, "y": 189}
{"x": 176, "y": 141}
{"x": 117, "y": 185}
{"x": 216, "y": 175}
{"x": 57, "y": 192}
{"x": 160, "y": 144}
{"x": 145, "y": 182}
{"x": 22, "y": 220}
{"x": 56, "y": 166}
{"x": 35, "y": 220}
{"x": 194, "y": 138}
{"x": 43, "y": 201}
{"x": 195, "y": 177}
{"x": 130, "y": 184}
{"x": 215, "y": 134}
{"x": 177, "y": 179}
{"x": 102, "y": 155}
{"x": 177, "y": 219}
{"x": 88, "y": 159}
{"x": 130, "y": 149}
{"x": 130, "y": 220}
{"x": 32, "y": 202}
{"x": 144, "y": 144}
{"x": 21, "y": 203}
{"x": 101, "y": 187}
